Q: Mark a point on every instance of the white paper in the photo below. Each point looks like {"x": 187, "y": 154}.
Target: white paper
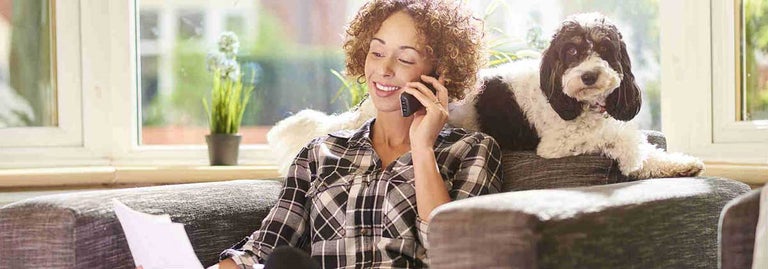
{"x": 156, "y": 242}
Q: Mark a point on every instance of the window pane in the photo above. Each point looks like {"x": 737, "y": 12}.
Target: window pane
{"x": 286, "y": 47}
{"x": 291, "y": 46}
{"x": 521, "y": 25}
{"x": 27, "y": 91}
{"x": 754, "y": 61}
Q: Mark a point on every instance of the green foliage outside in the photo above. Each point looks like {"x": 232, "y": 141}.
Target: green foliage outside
{"x": 755, "y": 45}
{"x": 286, "y": 78}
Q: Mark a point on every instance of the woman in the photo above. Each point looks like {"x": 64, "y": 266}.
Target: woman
{"x": 350, "y": 198}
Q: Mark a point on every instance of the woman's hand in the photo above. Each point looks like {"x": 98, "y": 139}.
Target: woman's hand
{"x": 428, "y": 122}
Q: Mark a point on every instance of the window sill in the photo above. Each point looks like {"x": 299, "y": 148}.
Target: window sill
{"x": 130, "y": 175}
{"x": 752, "y": 174}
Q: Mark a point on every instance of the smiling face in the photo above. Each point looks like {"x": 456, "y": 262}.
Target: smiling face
{"x": 395, "y": 57}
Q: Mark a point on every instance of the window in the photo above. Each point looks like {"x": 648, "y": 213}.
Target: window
{"x": 28, "y": 90}
{"x": 752, "y": 41}
{"x": 289, "y": 47}
{"x": 37, "y": 105}
{"x": 710, "y": 74}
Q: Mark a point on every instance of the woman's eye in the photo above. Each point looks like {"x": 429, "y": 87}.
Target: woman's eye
{"x": 377, "y": 54}
{"x": 407, "y": 62}
{"x": 572, "y": 51}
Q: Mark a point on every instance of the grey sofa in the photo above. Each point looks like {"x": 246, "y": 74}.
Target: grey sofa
{"x": 738, "y": 224}
{"x": 575, "y": 212}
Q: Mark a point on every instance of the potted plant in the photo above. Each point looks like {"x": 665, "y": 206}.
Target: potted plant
{"x": 228, "y": 100}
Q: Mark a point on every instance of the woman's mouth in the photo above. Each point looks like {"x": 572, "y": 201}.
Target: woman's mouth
{"x": 383, "y": 90}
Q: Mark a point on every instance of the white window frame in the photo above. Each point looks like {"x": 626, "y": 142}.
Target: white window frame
{"x": 727, "y": 128}
{"x": 63, "y": 145}
{"x": 698, "y": 85}
{"x": 122, "y": 78}
{"x": 97, "y": 73}
{"x": 116, "y": 68}
{"x": 66, "y": 79}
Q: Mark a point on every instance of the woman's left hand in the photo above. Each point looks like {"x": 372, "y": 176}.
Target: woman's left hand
{"x": 428, "y": 122}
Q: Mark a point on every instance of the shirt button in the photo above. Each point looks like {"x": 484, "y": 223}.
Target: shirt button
{"x": 364, "y": 232}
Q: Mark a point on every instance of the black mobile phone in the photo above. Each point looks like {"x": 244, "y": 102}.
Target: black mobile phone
{"x": 409, "y": 104}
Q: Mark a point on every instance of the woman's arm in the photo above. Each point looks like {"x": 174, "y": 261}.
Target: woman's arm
{"x": 430, "y": 187}
{"x": 426, "y": 125}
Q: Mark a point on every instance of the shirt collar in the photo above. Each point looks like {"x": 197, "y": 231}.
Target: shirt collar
{"x": 362, "y": 136}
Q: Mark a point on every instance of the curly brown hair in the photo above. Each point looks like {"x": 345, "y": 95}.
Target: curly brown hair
{"x": 452, "y": 36}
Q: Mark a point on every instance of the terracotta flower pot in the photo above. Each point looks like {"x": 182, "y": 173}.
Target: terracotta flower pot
{"x": 223, "y": 149}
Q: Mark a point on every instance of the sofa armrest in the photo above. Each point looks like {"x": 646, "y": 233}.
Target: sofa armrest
{"x": 657, "y": 223}
{"x": 738, "y": 224}
{"x": 80, "y": 230}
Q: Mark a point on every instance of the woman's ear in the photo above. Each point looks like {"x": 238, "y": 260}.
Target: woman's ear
{"x": 551, "y": 76}
{"x": 624, "y": 103}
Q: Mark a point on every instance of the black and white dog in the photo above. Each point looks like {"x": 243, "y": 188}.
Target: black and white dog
{"x": 575, "y": 100}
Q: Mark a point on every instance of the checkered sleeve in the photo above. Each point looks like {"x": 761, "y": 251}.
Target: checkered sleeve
{"x": 286, "y": 223}
{"x": 479, "y": 173}
{"x": 480, "y": 170}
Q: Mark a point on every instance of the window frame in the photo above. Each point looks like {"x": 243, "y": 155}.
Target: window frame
{"x": 124, "y": 77}
{"x": 697, "y": 42}
{"x": 66, "y": 81}
{"x": 727, "y": 128}
{"x": 98, "y": 85}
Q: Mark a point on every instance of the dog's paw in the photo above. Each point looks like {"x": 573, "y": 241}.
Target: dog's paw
{"x": 690, "y": 168}
{"x": 669, "y": 165}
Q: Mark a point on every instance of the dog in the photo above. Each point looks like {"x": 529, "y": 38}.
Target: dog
{"x": 575, "y": 100}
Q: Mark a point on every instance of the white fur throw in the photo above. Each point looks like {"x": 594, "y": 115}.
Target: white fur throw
{"x": 292, "y": 133}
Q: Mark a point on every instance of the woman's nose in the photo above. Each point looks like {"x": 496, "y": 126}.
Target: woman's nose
{"x": 386, "y": 67}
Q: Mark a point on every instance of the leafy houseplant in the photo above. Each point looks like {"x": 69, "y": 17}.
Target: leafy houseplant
{"x": 229, "y": 98}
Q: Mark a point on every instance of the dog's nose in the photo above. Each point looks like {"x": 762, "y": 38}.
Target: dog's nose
{"x": 589, "y": 78}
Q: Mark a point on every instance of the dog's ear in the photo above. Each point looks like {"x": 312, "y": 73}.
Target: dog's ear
{"x": 624, "y": 103}
{"x": 551, "y": 76}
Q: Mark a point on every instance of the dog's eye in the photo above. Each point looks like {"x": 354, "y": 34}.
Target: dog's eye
{"x": 572, "y": 51}
{"x": 605, "y": 46}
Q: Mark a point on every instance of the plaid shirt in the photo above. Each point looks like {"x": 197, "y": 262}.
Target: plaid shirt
{"x": 341, "y": 205}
